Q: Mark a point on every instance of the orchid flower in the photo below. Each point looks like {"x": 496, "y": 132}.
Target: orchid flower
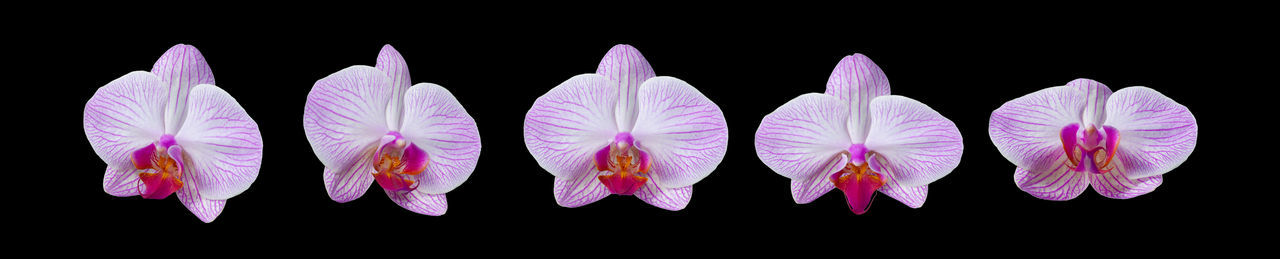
{"x": 859, "y": 139}
{"x": 172, "y": 131}
{"x": 367, "y": 124}
{"x": 1064, "y": 139}
{"x": 624, "y": 131}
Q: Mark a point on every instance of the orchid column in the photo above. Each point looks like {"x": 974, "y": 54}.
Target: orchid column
{"x": 624, "y": 131}
{"x": 368, "y": 124}
{"x": 858, "y": 138}
{"x": 170, "y": 131}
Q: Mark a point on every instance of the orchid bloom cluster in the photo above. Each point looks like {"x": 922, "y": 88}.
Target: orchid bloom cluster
{"x": 623, "y": 130}
{"x": 857, "y": 138}
{"x": 1064, "y": 139}
{"x": 170, "y": 131}
{"x": 367, "y": 124}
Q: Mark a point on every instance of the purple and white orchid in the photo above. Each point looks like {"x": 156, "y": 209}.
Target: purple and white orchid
{"x": 367, "y": 124}
{"x": 1064, "y": 139}
{"x": 858, "y": 138}
{"x": 172, "y": 131}
{"x": 624, "y": 131}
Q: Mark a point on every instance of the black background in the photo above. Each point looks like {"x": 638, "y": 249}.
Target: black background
{"x": 962, "y": 65}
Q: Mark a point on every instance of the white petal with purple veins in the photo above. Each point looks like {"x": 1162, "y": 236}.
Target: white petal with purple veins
{"x": 805, "y": 190}
{"x": 1114, "y": 185}
{"x": 123, "y": 116}
{"x": 351, "y": 184}
{"x": 672, "y": 199}
{"x": 912, "y": 196}
{"x": 420, "y": 202}
{"x": 1156, "y": 133}
{"x": 581, "y": 190}
{"x": 627, "y": 70}
{"x": 397, "y": 70}
{"x": 912, "y": 143}
{"x": 224, "y": 144}
{"x": 204, "y": 208}
{"x": 856, "y": 80}
{"x": 437, "y": 123}
{"x": 683, "y": 132}
{"x": 122, "y": 182}
{"x": 1027, "y": 130}
{"x": 1095, "y": 100}
{"x": 345, "y": 115}
{"x": 182, "y": 67}
{"x": 1059, "y": 184}
{"x": 799, "y": 138}
{"x": 570, "y": 123}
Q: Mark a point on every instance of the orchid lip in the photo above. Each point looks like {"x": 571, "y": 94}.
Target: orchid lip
{"x": 629, "y": 166}
{"x": 161, "y": 166}
{"x": 397, "y": 162}
{"x": 859, "y": 184}
{"x": 1087, "y": 145}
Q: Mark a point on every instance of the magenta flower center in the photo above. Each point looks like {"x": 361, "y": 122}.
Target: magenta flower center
{"x": 627, "y": 165}
{"x": 1089, "y": 149}
{"x": 397, "y": 162}
{"x": 161, "y": 173}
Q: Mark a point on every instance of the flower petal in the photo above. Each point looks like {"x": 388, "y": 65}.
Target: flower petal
{"x": 223, "y": 142}
{"x": 672, "y": 199}
{"x": 912, "y": 143}
{"x": 396, "y": 69}
{"x": 568, "y": 124}
{"x": 351, "y": 184}
{"x": 1095, "y": 100}
{"x": 181, "y": 68}
{"x": 623, "y": 65}
{"x": 799, "y": 138}
{"x": 203, "y": 207}
{"x": 912, "y": 196}
{"x": 122, "y": 182}
{"x": 1027, "y": 130}
{"x": 123, "y": 116}
{"x": 346, "y": 115}
{"x": 420, "y": 202}
{"x": 1114, "y": 185}
{"x": 439, "y": 125}
{"x": 683, "y": 132}
{"x": 1060, "y": 184}
{"x": 581, "y": 190}
{"x": 856, "y": 80}
{"x": 808, "y": 189}
{"x": 1156, "y": 133}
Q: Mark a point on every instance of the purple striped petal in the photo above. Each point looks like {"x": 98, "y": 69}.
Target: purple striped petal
{"x": 419, "y": 202}
{"x": 623, "y": 65}
{"x": 390, "y": 62}
{"x": 345, "y": 115}
{"x": 799, "y": 138}
{"x": 122, "y": 182}
{"x": 683, "y": 132}
{"x": 1114, "y": 185}
{"x": 1095, "y": 100}
{"x": 912, "y": 196}
{"x": 123, "y": 116}
{"x": 856, "y": 80}
{"x": 581, "y": 190}
{"x": 912, "y": 143}
{"x": 568, "y": 124}
{"x": 350, "y": 184}
{"x": 223, "y": 142}
{"x": 181, "y": 68}
{"x": 1027, "y": 130}
{"x": 1060, "y": 184}
{"x": 435, "y": 122}
{"x": 203, "y": 207}
{"x": 672, "y": 199}
{"x": 805, "y": 190}
{"x": 1156, "y": 133}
